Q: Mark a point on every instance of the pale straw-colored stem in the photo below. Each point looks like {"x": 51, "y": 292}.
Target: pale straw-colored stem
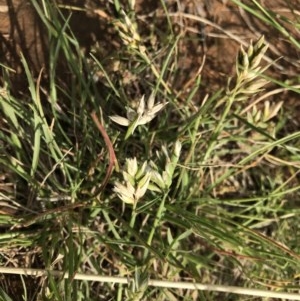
{"x": 156, "y": 283}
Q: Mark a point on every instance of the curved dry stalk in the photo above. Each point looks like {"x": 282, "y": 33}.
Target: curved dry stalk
{"x": 112, "y": 156}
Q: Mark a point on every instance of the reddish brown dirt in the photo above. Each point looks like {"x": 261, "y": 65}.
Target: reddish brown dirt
{"x": 219, "y": 29}
{"x": 20, "y": 30}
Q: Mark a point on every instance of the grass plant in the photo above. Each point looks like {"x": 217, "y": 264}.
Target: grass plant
{"x": 122, "y": 174}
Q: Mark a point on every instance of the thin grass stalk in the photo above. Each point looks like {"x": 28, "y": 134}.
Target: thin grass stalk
{"x": 219, "y": 127}
{"x": 156, "y": 223}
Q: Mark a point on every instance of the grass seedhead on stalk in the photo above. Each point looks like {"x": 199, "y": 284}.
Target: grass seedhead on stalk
{"x": 245, "y": 86}
{"x": 128, "y": 31}
{"x": 136, "y": 181}
{"x": 143, "y": 114}
{"x": 248, "y": 69}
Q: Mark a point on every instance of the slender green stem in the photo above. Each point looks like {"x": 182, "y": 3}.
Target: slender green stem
{"x": 220, "y": 126}
{"x": 157, "y": 220}
{"x": 133, "y": 217}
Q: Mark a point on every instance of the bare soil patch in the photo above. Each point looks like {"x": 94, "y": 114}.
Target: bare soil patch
{"x": 214, "y": 28}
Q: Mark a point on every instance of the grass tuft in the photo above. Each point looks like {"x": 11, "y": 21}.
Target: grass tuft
{"x": 121, "y": 163}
